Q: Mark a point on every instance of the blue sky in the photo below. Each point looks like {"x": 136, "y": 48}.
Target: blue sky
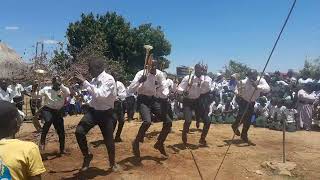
{"x": 214, "y": 31}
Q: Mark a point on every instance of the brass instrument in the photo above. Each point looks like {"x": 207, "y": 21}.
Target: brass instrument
{"x": 147, "y": 60}
{"x": 190, "y": 80}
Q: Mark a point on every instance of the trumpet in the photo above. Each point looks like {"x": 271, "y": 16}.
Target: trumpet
{"x": 147, "y": 60}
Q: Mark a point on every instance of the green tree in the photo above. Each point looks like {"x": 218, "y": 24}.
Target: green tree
{"x": 311, "y": 69}
{"x": 117, "y": 40}
{"x": 61, "y": 60}
{"x": 236, "y": 67}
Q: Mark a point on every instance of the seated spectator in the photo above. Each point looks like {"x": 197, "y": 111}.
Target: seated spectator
{"x": 22, "y": 158}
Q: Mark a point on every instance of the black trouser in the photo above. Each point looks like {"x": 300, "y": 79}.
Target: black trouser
{"x": 246, "y": 115}
{"x": 118, "y": 117}
{"x": 72, "y": 109}
{"x": 129, "y": 106}
{"x": 53, "y": 116}
{"x": 34, "y": 105}
{"x": 159, "y": 107}
{"x": 104, "y": 119}
{"x": 201, "y": 111}
{"x": 19, "y": 102}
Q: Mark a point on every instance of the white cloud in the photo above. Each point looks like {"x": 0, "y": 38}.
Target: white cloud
{"x": 50, "y": 41}
{"x": 11, "y": 28}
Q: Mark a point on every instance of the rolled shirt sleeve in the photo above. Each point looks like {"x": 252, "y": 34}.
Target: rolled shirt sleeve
{"x": 183, "y": 85}
{"x": 105, "y": 90}
{"x": 135, "y": 84}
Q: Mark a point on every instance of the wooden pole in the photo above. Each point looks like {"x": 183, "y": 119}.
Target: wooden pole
{"x": 284, "y": 140}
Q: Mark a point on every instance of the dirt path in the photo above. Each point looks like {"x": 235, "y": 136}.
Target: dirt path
{"x": 242, "y": 161}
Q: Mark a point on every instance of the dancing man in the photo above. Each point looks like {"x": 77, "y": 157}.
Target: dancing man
{"x": 191, "y": 87}
{"x": 102, "y": 89}
{"x": 145, "y": 84}
{"x": 52, "y": 111}
{"x": 247, "y": 93}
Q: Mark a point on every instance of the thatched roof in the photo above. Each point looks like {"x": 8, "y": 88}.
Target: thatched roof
{"x": 11, "y": 64}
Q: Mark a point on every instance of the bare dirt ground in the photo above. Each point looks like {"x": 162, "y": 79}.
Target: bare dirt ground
{"x": 241, "y": 162}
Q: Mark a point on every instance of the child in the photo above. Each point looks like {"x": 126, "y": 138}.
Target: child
{"x": 274, "y": 109}
{"x": 22, "y": 158}
{"x": 289, "y": 114}
{"x": 261, "y": 111}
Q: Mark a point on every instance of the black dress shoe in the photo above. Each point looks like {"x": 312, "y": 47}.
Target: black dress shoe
{"x": 202, "y": 142}
{"x": 160, "y": 148}
{"x": 86, "y": 162}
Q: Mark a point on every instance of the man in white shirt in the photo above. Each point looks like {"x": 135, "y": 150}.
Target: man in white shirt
{"x": 247, "y": 93}
{"x": 52, "y": 111}
{"x": 205, "y": 99}
{"x": 145, "y": 85}
{"x": 102, "y": 90}
{"x": 192, "y": 87}
{"x": 5, "y": 92}
{"x": 17, "y": 93}
{"x": 118, "y": 110}
{"x": 162, "y": 95}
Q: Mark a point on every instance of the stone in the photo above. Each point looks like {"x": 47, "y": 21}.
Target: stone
{"x": 280, "y": 168}
{"x": 259, "y": 172}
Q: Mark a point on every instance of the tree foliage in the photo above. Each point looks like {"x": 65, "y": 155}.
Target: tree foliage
{"x": 114, "y": 38}
{"x": 236, "y": 67}
{"x": 311, "y": 69}
{"x": 61, "y": 60}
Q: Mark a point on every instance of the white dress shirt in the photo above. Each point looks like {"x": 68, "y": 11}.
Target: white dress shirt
{"x": 194, "y": 90}
{"x": 164, "y": 90}
{"x": 16, "y": 90}
{"x": 206, "y": 82}
{"x": 6, "y": 95}
{"x": 121, "y": 91}
{"x": 246, "y": 89}
{"x": 54, "y": 99}
{"x": 148, "y": 87}
{"x": 102, "y": 90}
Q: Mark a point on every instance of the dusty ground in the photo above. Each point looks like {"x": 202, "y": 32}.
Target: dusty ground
{"x": 242, "y": 161}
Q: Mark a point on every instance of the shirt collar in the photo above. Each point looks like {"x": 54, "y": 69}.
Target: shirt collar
{"x": 100, "y": 76}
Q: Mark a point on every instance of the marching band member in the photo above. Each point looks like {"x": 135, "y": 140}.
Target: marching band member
{"x": 204, "y": 102}
{"x": 118, "y": 110}
{"x": 247, "y": 93}
{"x": 52, "y": 111}
{"x": 146, "y": 85}
{"x": 102, "y": 90}
{"x": 191, "y": 87}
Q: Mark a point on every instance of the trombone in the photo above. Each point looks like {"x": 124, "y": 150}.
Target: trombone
{"x": 147, "y": 60}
